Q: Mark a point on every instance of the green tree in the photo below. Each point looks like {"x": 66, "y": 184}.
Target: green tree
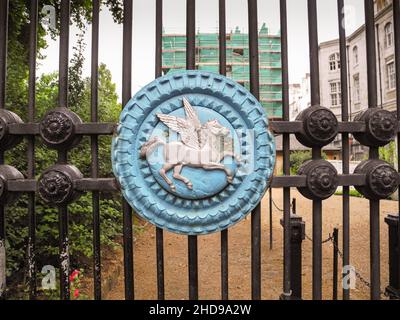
{"x": 18, "y": 41}
{"x": 46, "y": 99}
{"x": 388, "y": 153}
{"x": 80, "y": 212}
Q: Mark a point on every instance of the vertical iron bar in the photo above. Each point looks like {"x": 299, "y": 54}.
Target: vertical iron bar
{"x": 95, "y": 149}
{"x": 316, "y": 152}
{"x": 160, "y": 263}
{"x": 375, "y": 250}
{"x": 222, "y": 37}
{"x": 396, "y": 20}
{"x": 294, "y": 206}
{"x": 393, "y": 289}
{"x": 222, "y": 70}
{"x": 126, "y": 95}
{"x": 374, "y": 152}
{"x": 378, "y": 46}
{"x": 255, "y": 90}
{"x": 317, "y": 250}
{"x": 159, "y": 232}
{"x": 64, "y": 53}
{"x": 314, "y": 51}
{"x": 3, "y": 70}
{"x": 3, "y": 50}
{"x": 271, "y": 235}
{"x": 335, "y": 262}
{"x": 345, "y": 139}
{"x": 191, "y": 65}
{"x": 31, "y": 148}
{"x": 349, "y": 86}
{"x": 193, "y": 268}
{"x": 286, "y": 151}
{"x": 297, "y": 236}
{"x": 224, "y": 265}
{"x": 191, "y": 34}
{"x": 62, "y": 155}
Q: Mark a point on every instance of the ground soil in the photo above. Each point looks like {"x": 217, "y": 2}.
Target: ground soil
{"x": 176, "y": 267}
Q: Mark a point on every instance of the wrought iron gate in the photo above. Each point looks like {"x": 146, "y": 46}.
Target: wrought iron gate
{"x": 315, "y": 128}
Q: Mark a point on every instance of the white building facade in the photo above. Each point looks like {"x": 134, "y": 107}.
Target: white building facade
{"x": 330, "y": 64}
{"x": 299, "y": 96}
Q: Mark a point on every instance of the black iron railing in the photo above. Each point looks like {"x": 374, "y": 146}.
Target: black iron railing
{"x": 315, "y": 128}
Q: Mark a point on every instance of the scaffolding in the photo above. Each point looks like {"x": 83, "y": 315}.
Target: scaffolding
{"x": 207, "y": 58}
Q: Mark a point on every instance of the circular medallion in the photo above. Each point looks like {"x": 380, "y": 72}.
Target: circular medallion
{"x": 193, "y": 152}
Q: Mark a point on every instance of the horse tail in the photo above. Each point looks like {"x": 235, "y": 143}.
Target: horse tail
{"x": 149, "y": 147}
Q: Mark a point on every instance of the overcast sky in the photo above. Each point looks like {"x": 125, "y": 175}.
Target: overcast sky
{"x": 206, "y": 21}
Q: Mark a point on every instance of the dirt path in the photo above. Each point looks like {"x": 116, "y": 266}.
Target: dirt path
{"x": 176, "y": 270}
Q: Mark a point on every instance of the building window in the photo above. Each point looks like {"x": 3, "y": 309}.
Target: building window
{"x": 390, "y": 76}
{"x": 388, "y": 35}
{"x": 356, "y": 90}
{"x": 355, "y": 55}
{"x": 334, "y": 61}
{"x": 336, "y": 97}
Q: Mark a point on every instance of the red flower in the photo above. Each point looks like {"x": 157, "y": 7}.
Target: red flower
{"x": 74, "y": 275}
{"x": 76, "y": 293}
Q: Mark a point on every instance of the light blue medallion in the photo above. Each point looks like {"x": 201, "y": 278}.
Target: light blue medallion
{"x": 193, "y": 152}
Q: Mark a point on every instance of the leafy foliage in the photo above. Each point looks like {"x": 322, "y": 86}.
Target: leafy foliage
{"x": 297, "y": 158}
{"x": 388, "y": 153}
{"x": 80, "y": 213}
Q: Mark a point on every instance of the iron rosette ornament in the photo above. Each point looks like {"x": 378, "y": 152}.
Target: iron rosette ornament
{"x": 193, "y": 152}
{"x": 56, "y": 185}
{"x": 322, "y": 179}
{"x": 382, "y": 180}
{"x": 58, "y": 129}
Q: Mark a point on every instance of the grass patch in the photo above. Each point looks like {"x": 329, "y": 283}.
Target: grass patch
{"x": 352, "y": 193}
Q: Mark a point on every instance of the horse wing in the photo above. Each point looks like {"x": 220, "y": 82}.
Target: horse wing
{"x": 186, "y": 130}
{"x": 191, "y": 114}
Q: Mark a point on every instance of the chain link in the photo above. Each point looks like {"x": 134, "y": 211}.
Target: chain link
{"x": 358, "y": 275}
{"x": 362, "y": 279}
{"x": 330, "y": 238}
{"x": 279, "y": 209}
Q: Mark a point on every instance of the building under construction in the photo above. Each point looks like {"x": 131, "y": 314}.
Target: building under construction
{"x": 207, "y": 58}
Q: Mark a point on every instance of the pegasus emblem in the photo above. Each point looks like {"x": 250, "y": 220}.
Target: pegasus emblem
{"x": 200, "y": 146}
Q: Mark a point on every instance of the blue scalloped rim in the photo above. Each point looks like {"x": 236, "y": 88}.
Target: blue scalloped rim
{"x": 153, "y": 203}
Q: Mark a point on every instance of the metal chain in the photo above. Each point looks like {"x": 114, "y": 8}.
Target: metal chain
{"x": 279, "y": 209}
{"x": 330, "y": 238}
{"x": 358, "y": 275}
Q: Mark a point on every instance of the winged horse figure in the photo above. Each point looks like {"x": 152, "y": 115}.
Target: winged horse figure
{"x": 199, "y": 146}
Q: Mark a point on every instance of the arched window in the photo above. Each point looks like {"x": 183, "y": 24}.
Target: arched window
{"x": 334, "y": 61}
{"x": 388, "y": 35}
{"x": 355, "y": 55}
